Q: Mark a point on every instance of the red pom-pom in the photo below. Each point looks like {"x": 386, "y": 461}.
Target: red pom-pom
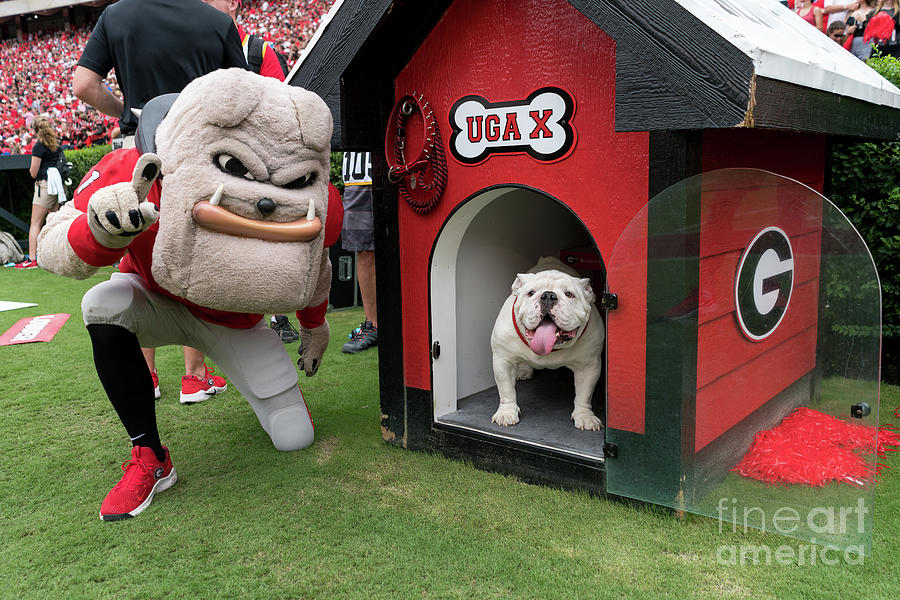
{"x": 812, "y": 448}
{"x": 879, "y": 28}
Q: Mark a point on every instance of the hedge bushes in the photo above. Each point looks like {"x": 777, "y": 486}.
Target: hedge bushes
{"x": 82, "y": 161}
{"x": 865, "y": 184}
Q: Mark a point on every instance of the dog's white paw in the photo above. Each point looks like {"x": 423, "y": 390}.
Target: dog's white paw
{"x": 524, "y": 371}
{"x": 587, "y": 420}
{"x": 506, "y": 416}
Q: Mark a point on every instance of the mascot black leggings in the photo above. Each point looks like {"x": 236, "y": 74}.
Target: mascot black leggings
{"x": 126, "y": 379}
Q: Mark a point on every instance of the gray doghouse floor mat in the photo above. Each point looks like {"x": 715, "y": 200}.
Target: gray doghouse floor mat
{"x": 546, "y": 403}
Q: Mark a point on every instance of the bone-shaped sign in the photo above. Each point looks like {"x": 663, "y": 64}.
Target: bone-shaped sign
{"x": 540, "y": 126}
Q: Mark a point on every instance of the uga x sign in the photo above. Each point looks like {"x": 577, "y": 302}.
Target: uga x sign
{"x": 540, "y": 126}
{"x": 763, "y": 284}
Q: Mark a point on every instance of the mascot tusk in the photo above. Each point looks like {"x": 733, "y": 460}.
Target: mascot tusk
{"x": 217, "y": 197}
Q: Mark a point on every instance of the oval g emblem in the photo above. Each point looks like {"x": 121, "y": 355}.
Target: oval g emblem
{"x": 763, "y": 284}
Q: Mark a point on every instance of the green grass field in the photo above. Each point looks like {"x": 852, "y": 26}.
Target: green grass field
{"x": 351, "y": 517}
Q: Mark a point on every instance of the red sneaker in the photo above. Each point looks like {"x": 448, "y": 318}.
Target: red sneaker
{"x": 155, "y": 377}
{"x": 27, "y": 264}
{"x": 217, "y": 384}
{"x": 196, "y": 389}
{"x": 144, "y": 476}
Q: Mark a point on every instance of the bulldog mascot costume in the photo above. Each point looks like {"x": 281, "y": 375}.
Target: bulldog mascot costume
{"x": 221, "y": 214}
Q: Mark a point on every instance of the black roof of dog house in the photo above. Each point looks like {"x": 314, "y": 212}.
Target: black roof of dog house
{"x": 680, "y": 65}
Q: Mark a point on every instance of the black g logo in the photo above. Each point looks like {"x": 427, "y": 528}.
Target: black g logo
{"x": 763, "y": 284}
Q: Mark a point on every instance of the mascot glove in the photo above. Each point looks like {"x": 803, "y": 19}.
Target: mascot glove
{"x": 313, "y": 343}
{"x": 119, "y": 212}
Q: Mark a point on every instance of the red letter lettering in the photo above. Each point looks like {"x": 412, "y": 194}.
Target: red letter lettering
{"x": 512, "y": 128}
{"x": 540, "y": 124}
{"x": 474, "y": 132}
{"x": 492, "y": 128}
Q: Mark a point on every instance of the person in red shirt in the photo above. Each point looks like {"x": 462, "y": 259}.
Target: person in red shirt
{"x": 270, "y": 67}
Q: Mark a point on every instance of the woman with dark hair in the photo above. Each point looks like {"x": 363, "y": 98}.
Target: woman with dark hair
{"x": 810, "y": 13}
{"x": 856, "y": 26}
{"x": 44, "y": 158}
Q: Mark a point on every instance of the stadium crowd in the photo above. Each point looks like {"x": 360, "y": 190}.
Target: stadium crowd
{"x": 36, "y": 73}
{"x": 37, "y": 79}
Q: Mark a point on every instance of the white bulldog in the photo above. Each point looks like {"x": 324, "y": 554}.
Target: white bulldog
{"x": 548, "y": 321}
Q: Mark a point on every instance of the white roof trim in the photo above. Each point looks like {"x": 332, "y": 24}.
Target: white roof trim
{"x": 785, "y": 47}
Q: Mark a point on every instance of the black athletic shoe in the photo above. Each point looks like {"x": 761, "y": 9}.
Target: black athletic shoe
{"x": 365, "y": 337}
{"x": 282, "y": 326}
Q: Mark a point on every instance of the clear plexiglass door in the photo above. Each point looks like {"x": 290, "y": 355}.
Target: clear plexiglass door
{"x": 757, "y": 400}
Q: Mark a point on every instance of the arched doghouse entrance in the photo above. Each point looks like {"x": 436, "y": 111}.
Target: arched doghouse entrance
{"x": 495, "y": 234}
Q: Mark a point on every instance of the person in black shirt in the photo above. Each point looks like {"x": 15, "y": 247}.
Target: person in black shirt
{"x": 44, "y": 155}
{"x": 156, "y": 47}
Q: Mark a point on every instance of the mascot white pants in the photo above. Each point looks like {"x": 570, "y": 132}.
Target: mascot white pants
{"x": 253, "y": 359}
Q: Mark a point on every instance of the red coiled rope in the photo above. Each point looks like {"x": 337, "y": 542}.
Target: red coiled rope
{"x": 423, "y": 179}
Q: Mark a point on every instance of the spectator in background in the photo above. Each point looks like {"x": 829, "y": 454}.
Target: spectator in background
{"x": 358, "y": 235}
{"x": 289, "y": 24}
{"x": 36, "y": 71}
{"x": 809, "y": 13}
{"x": 269, "y": 67}
{"x": 47, "y": 184}
{"x": 881, "y": 27}
{"x": 837, "y": 31}
{"x": 156, "y": 47}
{"x": 838, "y": 10}
{"x": 856, "y": 27}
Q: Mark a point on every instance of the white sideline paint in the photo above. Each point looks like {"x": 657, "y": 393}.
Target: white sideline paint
{"x": 8, "y": 305}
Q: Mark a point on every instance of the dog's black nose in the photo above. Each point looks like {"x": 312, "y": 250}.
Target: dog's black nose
{"x": 548, "y": 300}
{"x": 266, "y": 206}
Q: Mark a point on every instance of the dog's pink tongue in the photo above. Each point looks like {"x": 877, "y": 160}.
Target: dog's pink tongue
{"x": 544, "y": 338}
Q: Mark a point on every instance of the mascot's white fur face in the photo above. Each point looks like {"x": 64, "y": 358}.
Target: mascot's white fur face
{"x": 265, "y": 147}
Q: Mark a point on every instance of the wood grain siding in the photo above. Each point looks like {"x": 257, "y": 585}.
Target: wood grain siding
{"x": 721, "y": 333}
{"x": 782, "y": 105}
{"x": 672, "y": 70}
{"x": 390, "y": 304}
{"x": 737, "y": 376}
{"x": 333, "y": 52}
{"x": 728, "y": 400}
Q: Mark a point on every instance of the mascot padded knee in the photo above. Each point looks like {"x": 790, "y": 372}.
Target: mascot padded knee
{"x": 228, "y": 211}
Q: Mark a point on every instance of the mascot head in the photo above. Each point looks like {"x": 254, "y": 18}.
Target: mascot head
{"x": 245, "y": 166}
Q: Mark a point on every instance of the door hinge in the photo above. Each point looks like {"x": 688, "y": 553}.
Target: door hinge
{"x": 610, "y": 450}
{"x": 609, "y": 301}
{"x": 436, "y": 350}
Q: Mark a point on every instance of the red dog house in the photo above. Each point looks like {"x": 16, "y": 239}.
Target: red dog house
{"x": 518, "y": 129}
